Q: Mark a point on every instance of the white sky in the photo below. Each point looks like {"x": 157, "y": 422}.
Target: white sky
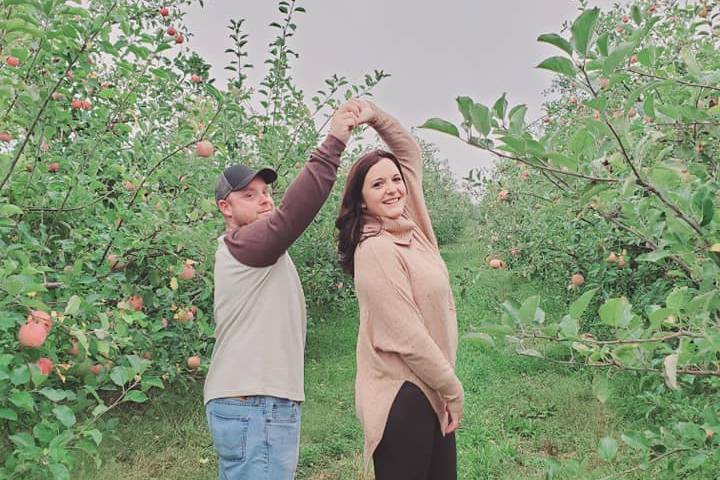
{"x": 435, "y": 52}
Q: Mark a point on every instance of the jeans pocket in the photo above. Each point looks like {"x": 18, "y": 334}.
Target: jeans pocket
{"x": 285, "y": 412}
{"x": 229, "y": 436}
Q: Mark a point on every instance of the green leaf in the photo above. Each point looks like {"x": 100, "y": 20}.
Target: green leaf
{"x": 578, "y": 307}
{"x": 135, "y": 396}
{"x": 99, "y": 410}
{"x": 512, "y": 308}
{"x": 583, "y": 28}
{"x": 616, "y": 312}
{"x": 20, "y": 375}
{"x": 464, "y": 105}
{"x": 149, "y": 382}
{"x": 73, "y": 305}
{"x": 7, "y": 210}
{"x": 636, "y": 14}
{"x": 530, "y": 311}
{"x": 23, "y": 440}
{"x": 441, "y": 126}
{"x": 635, "y": 440}
{"x": 517, "y": 119}
{"x": 8, "y": 414}
{"x": 601, "y": 388}
{"x": 500, "y": 107}
{"x": 22, "y": 399}
{"x": 59, "y": 471}
{"x": 608, "y": 449}
{"x": 95, "y": 434}
{"x": 65, "y": 415}
{"x": 560, "y": 65}
{"x": 557, "y": 40}
{"x": 618, "y": 56}
{"x": 569, "y": 327}
{"x": 564, "y": 161}
{"x": 602, "y": 44}
{"x": 480, "y": 116}
{"x": 119, "y": 376}
{"x": 53, "y": 394}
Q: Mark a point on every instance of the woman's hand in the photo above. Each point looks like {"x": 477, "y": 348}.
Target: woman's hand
{"x": 344, "y": 120}
{"x": 454, "y": 421}
{"x": 367, "y": 110}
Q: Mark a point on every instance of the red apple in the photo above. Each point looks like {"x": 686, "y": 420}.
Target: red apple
{"x": 171, "y": 31}
{"x": 577, "y": 280}
{"x": 53, "y": 167}
{"x": 45, "y": 365}
{"x": 5, "y": 137}
{"x": 76, "y": 104}
{"x": 179, "y": 38}
{"x": 96, "y": 369}
{"x": 12, "y": 61}
{"x": 194, "y": 362}
{"x": 56, "y": 96}
{"x": 188, "y": 272}
{"x": 195, "y": 78}
{"x": 204, "y": 148}
{"x": 43, "y": 318}
{"x": 32, "y": 335}
{"x": 496, "y": 263}
{"x": 164, "y": 11}
{"x": 136, "y": 303}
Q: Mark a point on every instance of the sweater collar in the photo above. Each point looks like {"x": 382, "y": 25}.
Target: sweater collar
{"x": 400, "y": 229}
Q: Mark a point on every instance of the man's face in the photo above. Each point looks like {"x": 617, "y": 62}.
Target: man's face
{"x": 245, "y": 206}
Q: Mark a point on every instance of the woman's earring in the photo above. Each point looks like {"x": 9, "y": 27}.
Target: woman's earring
{"x": 363, "y": 206}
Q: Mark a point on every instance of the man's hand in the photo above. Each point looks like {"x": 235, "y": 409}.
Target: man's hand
{"x": 344, "y": 120}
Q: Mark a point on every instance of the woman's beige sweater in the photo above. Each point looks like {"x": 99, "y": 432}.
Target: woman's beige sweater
{"x": 408, "y": 328}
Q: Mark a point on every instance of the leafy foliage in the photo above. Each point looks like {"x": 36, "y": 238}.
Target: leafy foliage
{"x": 619, "y": 183}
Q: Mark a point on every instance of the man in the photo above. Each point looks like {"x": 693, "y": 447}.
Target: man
{"x": 255, "y": 383}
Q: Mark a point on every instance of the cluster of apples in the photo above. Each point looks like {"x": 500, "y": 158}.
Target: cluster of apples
{"x": 34, "y": 332}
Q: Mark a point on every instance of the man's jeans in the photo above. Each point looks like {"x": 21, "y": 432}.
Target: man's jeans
{"x": 257, "y": 438}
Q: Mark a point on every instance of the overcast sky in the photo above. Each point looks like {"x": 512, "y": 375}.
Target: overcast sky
{"x": 435, "y": 51}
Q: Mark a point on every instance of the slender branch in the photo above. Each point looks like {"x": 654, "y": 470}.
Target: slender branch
{"x": 681, "y": 82}
{"x": 615, "y": 364}
{"x": 665, "y": 338}
{"x": 547, "y": 169}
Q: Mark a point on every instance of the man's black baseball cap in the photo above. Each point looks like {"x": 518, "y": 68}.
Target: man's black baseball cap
{"x": 237, "y": 177}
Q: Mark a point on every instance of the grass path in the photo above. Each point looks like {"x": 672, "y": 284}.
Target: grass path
{"x": 520, "y": 414}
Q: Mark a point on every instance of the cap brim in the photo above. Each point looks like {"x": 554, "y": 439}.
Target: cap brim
{"x": 267, "y": 174}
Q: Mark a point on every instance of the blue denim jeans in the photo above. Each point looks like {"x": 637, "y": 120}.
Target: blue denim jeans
{"x": 257, "y": 438}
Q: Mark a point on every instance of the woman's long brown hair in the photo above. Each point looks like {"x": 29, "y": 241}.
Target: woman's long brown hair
{"x": 350, "y": 219}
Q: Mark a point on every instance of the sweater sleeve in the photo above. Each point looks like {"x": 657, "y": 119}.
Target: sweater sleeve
{"x": 262, "y": 242}
{"x": 396, "y": 324}
{"x": 405, "y": 148}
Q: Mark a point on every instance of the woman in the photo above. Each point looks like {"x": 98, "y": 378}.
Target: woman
{"x": 407, "y": 395}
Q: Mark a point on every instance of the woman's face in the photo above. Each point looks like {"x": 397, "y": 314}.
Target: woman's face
{"x": 383, "y": 191}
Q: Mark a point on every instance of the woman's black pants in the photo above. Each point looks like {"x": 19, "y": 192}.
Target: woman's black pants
{"x": 413, "y": 447}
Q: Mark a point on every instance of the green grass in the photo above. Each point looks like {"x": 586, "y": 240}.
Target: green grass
{"x": 521, "y": 413}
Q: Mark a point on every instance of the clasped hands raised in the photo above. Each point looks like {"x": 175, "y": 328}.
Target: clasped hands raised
{"x": 349, "y": 115}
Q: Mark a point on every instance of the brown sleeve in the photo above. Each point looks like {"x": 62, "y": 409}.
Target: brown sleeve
{"x": 262, "y": 242}
{"x": 405, "y": 148}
